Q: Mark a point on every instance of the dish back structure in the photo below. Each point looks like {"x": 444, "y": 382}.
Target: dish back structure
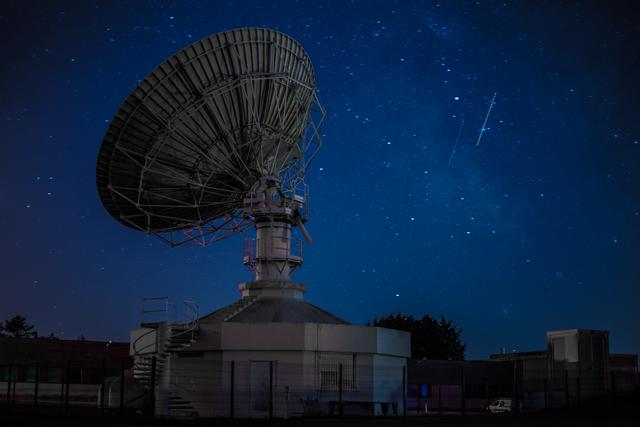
{"x": 214, "y": 139}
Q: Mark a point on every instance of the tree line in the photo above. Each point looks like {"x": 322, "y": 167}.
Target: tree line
{"x": 17, "y": 327}
{"x": 430, "y": 338}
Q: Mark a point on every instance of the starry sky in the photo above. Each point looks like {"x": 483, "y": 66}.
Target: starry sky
{"x": 536, "y": 228}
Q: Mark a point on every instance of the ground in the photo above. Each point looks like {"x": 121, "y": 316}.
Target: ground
{"x": 565, "y": 418}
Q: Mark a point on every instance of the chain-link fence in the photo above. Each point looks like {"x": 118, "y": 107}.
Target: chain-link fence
{"x": 67, "y": 386}
{"x": 519, "y": 391}
{"x": 267, "y": 388}
{"x": 191, "y": 386}
{"x": 199, "y": 386}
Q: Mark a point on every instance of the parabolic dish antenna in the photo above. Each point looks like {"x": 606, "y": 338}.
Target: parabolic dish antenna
{"x": 214, "y": 139}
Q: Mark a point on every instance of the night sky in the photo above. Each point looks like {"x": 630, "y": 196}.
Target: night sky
{"x": 537, "y": 228}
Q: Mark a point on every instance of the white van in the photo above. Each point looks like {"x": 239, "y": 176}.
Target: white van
{"x": 500, "y": 406}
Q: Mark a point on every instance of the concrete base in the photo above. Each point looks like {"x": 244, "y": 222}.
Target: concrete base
{"x": 283, "y": 369}
{"x": 270, "y": 288}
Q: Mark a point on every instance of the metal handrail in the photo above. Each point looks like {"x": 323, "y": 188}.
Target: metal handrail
{"x": 192, "y": 316}
{"x": 173, "y": 383}
{"x": 191, "y": 311}
{"x": 191, "y": 322}
{"x": 136, "y": 352}
{"x": 291, "y": 246}
{"x": 159, "y": 300}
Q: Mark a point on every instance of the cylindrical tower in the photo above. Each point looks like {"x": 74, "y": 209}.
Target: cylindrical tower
{"x": 277, "y": 254}
{"x": 274, "y": 255}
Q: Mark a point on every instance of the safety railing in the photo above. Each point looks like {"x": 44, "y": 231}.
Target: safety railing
{"x": 157, "y": 309}
{"x": 277, "y": 247}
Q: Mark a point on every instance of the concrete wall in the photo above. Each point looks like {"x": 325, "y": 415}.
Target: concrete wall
{"x": 313, "y": 337}
{"x": 305, "y": 359}
{"x": 296, "y": 384}
{"x": 387, "y": 379}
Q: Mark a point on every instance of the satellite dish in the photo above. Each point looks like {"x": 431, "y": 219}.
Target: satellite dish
{"x": 217, "y": 138}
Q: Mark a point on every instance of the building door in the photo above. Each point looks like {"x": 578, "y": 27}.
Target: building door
{"x": 260, "y": 388}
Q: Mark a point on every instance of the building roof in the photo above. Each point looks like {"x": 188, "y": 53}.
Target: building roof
{"x": 284, "y": 310}
{"x": 577, "y": 331}
{"x": 519, "y": 355}
{"x": 46, "y": 350}
{"x": 623, "y": 361}
{"x": 428, "y": 371}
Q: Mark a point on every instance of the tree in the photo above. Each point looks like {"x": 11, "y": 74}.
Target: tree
{"x": 431, "y": 339}
{"x": 17, "y": 327}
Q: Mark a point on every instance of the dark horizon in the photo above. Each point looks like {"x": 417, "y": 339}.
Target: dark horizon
{"x": 537, "y": 228}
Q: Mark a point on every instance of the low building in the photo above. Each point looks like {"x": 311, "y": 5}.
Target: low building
{"x": 454, "y": 385}
{"x": 83, "y": 359}
{"x": 55, "y": 371}
{"x": 576, "y": 367}
{"x": 624, "y": 371}
{"x": 270, "y": 354}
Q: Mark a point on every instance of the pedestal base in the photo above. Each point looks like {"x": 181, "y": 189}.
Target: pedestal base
{"x": 269, "y": 288}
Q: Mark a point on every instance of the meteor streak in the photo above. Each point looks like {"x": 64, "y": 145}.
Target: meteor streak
{"x": 484, "y": 128}
{"x": 455, "y": 144}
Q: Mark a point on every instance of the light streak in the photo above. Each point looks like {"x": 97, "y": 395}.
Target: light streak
{"x": 484, "y": 125}
{"x": 455, "y": 144}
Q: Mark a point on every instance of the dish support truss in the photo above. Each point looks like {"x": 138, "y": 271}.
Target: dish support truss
{"x": 259, "y": 151}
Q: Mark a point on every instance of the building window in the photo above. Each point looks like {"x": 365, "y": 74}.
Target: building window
{"x": 329, "y": 380}
{"x": 329, "y": 371}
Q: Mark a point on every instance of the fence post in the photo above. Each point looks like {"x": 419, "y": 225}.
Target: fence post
{"x": 340, "y": 391}
{"x": 270, "y": 390}
{"x": 486, "y": 387}
{"x": 546, "y": 393}
{"x": 566, "y": 387}
{"x": 152, "y": 384}
{"x": 613, "y": 389}
{"x": 515, "y": 396}
{"x": 68, "y": 380}
{"x": 35, "y": 391}
{"x": 9, "y": 386}
{"x": 462, "y": 394}
{"x": 102, "y": 378}
{"x": 122, "y": 386}
{"x": 404, "y": 392}
{"x": 62, "y": 381}
{"x": 13, "y": 394}
{"x": 578, "y": 391}
{"x": 232, "y": 390}
{"x": 439, "y": 399}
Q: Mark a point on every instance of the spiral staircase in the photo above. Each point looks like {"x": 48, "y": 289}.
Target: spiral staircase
{"x": 164, "y": 338}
